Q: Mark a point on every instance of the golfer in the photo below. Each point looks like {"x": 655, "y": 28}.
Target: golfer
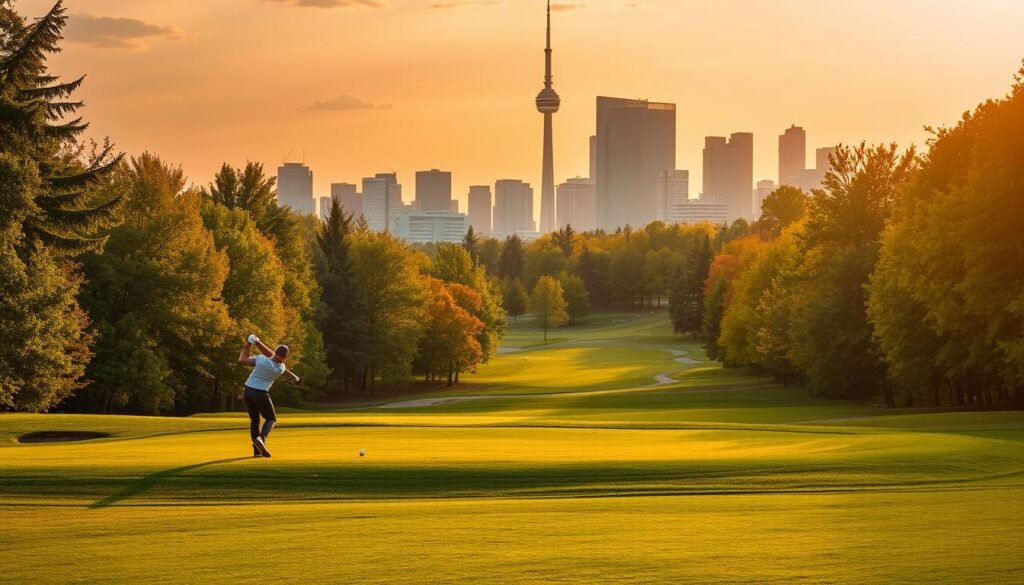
{"x": 266, "y": 368}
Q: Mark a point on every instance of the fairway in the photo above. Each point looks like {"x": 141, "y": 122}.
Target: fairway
{"x": 599, "y": 457}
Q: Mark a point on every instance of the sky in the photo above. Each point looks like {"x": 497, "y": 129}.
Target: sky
{"x": 356, "y": 87}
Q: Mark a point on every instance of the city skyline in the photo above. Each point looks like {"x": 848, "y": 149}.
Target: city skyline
{"x": 756, "y": 70}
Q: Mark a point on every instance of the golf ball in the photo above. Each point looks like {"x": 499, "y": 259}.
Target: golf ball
{"x": 362, "y": 452}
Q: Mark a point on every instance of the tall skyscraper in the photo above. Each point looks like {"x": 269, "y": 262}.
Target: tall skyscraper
{"x": 295, "y": 187}
{"x": 577, "y": 204}
{"x": 792, "y": 156}
{"x": 351, "y": 201}
{"x": 547, "y": 104}
{"x": 673, "y": 189}
{"x": 513, "y": 207}
{"x": 382, "y": 201}
{"x": 480, "y": 208}
{"x": 729, "y": 173}
{"x": 636, "y": 142}
{"x": 433, "y": 190}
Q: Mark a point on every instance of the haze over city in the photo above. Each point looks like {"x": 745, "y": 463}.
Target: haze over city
{"x": 356, "y": 88}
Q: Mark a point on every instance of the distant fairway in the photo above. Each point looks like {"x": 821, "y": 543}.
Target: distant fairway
{"x": 571, "y": 464}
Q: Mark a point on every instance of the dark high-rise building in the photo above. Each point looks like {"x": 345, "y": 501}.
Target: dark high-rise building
{"x": 548, "y": 103}
{"x": 295, "y": 187}
{"x": 636, "y": 143}
{"x": 513, "y": 207}
{"x": 792, "y": 156}
{"x": 480, "y": 208}
{"x": 729, "y": 173}
{"x": 433, "y": 190}
{"x": 350, "y": 200}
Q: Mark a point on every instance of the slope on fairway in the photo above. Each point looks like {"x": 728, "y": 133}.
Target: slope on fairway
{"x": 319, "y": 461}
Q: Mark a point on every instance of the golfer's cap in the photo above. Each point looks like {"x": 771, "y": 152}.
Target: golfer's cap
{"x": 282, "y": 350}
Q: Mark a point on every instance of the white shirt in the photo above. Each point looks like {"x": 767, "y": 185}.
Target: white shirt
{"x": 264, "y": 373}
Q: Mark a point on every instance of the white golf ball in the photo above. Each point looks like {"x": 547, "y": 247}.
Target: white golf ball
{"x": 362, "y": 452}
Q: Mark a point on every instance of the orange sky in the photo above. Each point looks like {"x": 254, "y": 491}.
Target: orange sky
{"x": 361, "y": 86}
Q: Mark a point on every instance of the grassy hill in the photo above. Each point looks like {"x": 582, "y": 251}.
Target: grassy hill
{"x": 615, "y": 453}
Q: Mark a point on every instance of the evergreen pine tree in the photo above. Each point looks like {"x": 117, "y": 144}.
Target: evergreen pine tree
{"x": 564, "y": 239}
{"x": 470, "y": 242}
{"x": 341, "y": 324}
{"x": 48, "y": 213}
{"x": 513, "y": 258}
{"x": 34, "y": 125}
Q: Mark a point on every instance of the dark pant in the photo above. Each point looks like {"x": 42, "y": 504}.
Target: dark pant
{"x": 258, "y": 403}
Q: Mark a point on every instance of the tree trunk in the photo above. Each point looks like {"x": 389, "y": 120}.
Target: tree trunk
{"x": 215, "y": 395}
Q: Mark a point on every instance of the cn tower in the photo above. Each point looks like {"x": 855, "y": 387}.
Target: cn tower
{"x": 547, "y": 104}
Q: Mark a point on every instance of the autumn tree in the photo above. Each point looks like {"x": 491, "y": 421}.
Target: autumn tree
{"x": 946, "y": 297}
{"x": 577, "y": 301}
{"x": 156, "y": 298}
{"x": 393, "y": 293}
{"x": 833, "y": 343}
{"x": 249, "y": 190}
{"x": 516, "y": 301}
{"x": 548, "y": 304}
{"x": 783, "y": 207}
{"x": 489, "y": 255}
{"x": 452, "y": 264}
{"x": 449, "y": 344}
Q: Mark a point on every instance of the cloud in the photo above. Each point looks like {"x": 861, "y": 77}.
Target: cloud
{"x": 563, "y": 7}
{"x": 345, "y": 103}
{"x": 330, "y": 3}
{"x": 109, "y": 32}
{"x": 461, "y": 3}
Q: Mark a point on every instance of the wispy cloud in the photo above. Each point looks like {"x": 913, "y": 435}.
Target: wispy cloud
{"x": 109, "y": 32}
{"x": 462, "y": 3}
{"x": 331, "y": 3}
{"x": 344, "y": 103}
{"x": 560, "y": 7}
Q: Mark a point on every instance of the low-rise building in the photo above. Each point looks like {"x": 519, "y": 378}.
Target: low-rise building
{"x": 421, "y": 227}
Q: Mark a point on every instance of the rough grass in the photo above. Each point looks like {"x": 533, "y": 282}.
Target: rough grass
{"x": 569, "y": 469}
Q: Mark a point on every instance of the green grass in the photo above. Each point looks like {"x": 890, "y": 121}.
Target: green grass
{"x": 566, "y": 466}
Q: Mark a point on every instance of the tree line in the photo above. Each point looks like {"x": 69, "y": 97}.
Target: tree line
{"x": 901, "y": 280}
{"x": 561, "y": 276}
{"x": 127, "y": 289}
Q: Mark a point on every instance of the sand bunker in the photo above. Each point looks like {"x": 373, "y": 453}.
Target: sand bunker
{"x": 60, "y": 436}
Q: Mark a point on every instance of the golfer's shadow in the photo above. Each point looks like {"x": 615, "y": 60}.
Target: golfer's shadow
{"x": 141, "y": 485}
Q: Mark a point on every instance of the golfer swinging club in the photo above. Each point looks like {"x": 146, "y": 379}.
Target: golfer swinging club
{"x": 266, "y": 368}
